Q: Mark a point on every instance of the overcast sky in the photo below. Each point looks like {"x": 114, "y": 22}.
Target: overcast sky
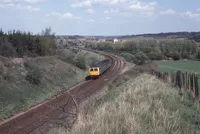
{"x": 100, "y": 17}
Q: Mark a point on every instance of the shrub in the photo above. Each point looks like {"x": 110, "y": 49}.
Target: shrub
{"x": 7, "y": 50}
{"x": 29, "y": 65}
{"x": 34, "y": 76}
{"x": 140, "y": 58}
{"x": 185, "y": 55}
{"x": 67, "y": 56}
{"x": 174, "y": 55}
{"x": 80, "y": 62}
{"x": 128, "y": 57}
{"x": 155, "y": 56}
{"x": 198, "y": 55}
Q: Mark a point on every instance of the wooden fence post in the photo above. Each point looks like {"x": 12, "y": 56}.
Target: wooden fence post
{"x": 183, "y": 75}
{"x": 191, "y": 82}
{"x": 193, "y": 85}
{"x": 178, "y": 81}
{"x": 174, "y": 78}
{"x": 171, "y": 79}
{"x": 196, "y": 90}
{"x": 182, "y": 80}
{"x": 168, "y": 78}
{"x": 186, "y": 81}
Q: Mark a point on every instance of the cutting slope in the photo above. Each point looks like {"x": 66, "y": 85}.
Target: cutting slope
{"x": 131, "y": 107}
{"x": 39, "y": 118}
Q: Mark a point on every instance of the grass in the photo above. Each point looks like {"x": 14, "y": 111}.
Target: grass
{"x": 185, "y": 65}
{"x": 133, "y": 107}
{"x": 17, "y": 94}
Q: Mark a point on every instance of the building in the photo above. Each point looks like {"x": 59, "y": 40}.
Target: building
{"x": 116, "y": 40}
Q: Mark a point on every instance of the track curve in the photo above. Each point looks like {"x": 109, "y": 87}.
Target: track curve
{"x": 38, "y": 118}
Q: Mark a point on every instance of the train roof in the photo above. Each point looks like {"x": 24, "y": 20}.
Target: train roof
{"x": 100, "y": 63}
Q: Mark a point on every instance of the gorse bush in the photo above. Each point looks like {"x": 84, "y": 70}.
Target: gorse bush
{"x": 34, "y": 76}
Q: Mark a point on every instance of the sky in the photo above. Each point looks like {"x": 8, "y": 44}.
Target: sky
{"x": 100, "y": 17}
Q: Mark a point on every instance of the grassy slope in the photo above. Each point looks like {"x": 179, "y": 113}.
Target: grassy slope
{"x": 185, "y": 65}
{"x": 142, "y": 105}
{"x": 17, "y": 94}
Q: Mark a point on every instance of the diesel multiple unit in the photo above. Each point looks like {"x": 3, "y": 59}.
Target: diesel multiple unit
{"x": 99, "y": 68}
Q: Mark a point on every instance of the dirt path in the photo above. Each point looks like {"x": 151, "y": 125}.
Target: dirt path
{"x": 42, "y": 117}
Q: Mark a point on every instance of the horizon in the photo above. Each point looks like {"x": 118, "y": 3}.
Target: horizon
{"x": 198, "y": 31}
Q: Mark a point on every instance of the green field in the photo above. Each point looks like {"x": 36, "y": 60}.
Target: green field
{"x": 184, "y": 65}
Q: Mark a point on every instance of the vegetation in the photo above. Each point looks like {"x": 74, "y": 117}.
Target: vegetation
{"x": 20, "y": 44}
{"x": 188, "y": 35}
{"x": 151, "y": 49}
{"x": 34, "y": 76}
{"x": 79, "y": 58}
{"x": 27, "y": 81}
{"x": 135, "y": 107}
{"x": 184, "y": 65}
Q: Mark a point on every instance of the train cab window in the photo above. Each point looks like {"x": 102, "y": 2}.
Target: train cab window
{"x": 95, "y": 69}
{"x": 91, "y": 69}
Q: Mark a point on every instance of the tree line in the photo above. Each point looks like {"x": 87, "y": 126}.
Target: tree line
{"x": 189, "y": 35}
{"x": 16, "y": 43}
{"x": 141, "y": 50}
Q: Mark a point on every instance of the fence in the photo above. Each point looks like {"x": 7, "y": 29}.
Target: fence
{"x": 183, "y": 80}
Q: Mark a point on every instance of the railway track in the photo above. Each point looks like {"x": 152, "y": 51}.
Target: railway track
{"x": 40, "y": 118}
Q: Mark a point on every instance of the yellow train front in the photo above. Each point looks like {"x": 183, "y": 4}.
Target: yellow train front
{"x": 96, "y": 70}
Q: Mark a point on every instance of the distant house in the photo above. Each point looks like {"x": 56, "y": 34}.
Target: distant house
{"x": 115, "y": 40}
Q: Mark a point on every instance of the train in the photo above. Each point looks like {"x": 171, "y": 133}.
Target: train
{"x": 98, "y": 69}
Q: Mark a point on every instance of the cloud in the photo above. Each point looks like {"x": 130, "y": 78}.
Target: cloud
{"x": 113, "y": 11}
{"x": 191, "y": 15}
{"x": 64, "y": 16}
{"x": 35, "y": 1}
{"x": 89, "y": 3}
{"x": 198, "y": 9}
{"x": 143, "y": 7}
{"x": 91, "y": 20}
{"x": 2, "y": 6}
{"x": 28, "y": 1}
{"x": 86, "y": 3}
{"x": 168, "y": 12}
{"x": 148, "y": 14}
{"x": 90, "y": 11}
{"x": 19, "y": 6}
{"x": 108, "y": 18}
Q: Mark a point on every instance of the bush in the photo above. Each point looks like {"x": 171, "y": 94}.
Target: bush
{"x": 34, "y": 76}
{"x": 29, "y": 65}
{"x": 80, "y": 62}
{"x": 7, "y": 50}
{"x": 185, "y": 55}
{"x": 128, "y": 57}
{"x": 140, "y": 58}
{"x": 174, "y": 55}
{"x": 198, "y": 55}
{"x": 67, "y": 56}
{"x": 155, "y": 56}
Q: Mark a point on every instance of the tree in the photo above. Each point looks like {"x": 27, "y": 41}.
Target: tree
{"x": 47, "y": 32}
{"x": 140, "y": 58}
{"x": 7, "y": 50}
